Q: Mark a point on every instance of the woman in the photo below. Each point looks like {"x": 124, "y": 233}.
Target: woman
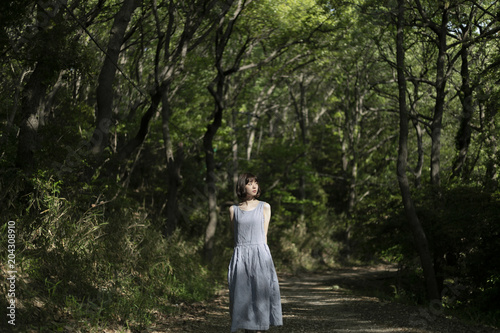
{"x": 254, "y": 294}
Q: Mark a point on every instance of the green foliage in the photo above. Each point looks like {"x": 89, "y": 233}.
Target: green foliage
{"x": 302, "y": 230}
{"x": 311, "y": 108}
{"x": 99, "y": 263}
{"x": 463, "y": 231}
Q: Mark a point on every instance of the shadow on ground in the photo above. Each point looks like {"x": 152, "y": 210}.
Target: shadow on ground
{"x": 320, "y": 303}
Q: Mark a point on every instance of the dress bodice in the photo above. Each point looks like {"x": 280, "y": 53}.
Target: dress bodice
{"x": 249, "y": 225}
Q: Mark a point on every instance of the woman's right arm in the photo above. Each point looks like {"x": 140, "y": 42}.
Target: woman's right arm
{"x": 231, "y": 218}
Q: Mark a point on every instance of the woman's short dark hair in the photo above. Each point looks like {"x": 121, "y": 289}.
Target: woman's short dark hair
{"x": 243, "y": 179}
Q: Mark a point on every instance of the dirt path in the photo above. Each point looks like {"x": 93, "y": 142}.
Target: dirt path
{"x": 319, "y": 303}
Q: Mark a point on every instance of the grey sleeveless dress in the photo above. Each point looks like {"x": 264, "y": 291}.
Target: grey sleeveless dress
{"x": 254, "y": 293}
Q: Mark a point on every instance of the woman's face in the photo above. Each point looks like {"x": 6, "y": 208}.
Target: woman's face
{"x": 252, "y": 187}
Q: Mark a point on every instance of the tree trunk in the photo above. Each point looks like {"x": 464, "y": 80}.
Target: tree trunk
{"x": 491, "y": 131}
{"x": 210, "y": 165}
{"x": 9, "y": 129}
{"x": 254, "y": 118}
{"x": 464, "y": 133}
{"x": 31, "y": 101}
{"x": 417, "y": 171}
{"x": 302, "y": 112}
{"x": 132, "y": 144}
{"x": 173, "y": 165}
{"x": 104, "y": 93}
{"x": 416, "y": 227}
{"x": 440, "y": 83}
{"x": 174, "y": 55}
{"x": 173, "y": 184}
{"x": 353, "y": 106}
{"x": 216, "y": 89}
{"x": 234, "y": 148}
{"x": 44, "y": 75}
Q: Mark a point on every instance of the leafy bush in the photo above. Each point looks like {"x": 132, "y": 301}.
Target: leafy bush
{"x": 101, "y": 262}
{"x": 463, "y": 231}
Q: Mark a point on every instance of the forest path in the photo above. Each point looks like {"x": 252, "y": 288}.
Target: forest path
{"x": 317, "y": 303}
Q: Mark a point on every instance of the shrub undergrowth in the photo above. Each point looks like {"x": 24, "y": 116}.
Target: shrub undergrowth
{"x": 97, "y": 263}
{"x": 462, "y": 228}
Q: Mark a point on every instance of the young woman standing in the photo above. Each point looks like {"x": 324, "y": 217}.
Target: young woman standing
{"x": 254, "y": 294}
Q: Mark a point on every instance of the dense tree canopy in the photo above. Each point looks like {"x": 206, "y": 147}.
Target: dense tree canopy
{"x": 373, "y": 127}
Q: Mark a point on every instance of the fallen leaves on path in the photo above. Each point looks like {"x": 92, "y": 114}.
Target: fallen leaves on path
{"x": 317, "y": 303}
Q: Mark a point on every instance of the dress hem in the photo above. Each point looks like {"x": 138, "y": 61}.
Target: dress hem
{"x": 262, "y": 328}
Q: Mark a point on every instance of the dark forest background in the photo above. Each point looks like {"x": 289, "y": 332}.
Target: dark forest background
{"x": 372, "y": 125}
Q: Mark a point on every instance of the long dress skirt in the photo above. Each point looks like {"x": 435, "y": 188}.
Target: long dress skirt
{"x": 254, "y": 294}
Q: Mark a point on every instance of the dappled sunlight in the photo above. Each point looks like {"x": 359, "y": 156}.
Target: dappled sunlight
{"x": 370, "y": 127}
{"x": 317, "y": 303}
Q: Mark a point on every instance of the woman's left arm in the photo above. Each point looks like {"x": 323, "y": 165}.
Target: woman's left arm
{"x": 267, "y": 218}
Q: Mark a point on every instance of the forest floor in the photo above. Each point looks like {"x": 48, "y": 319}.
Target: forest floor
{"x": 327, "y": 302}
